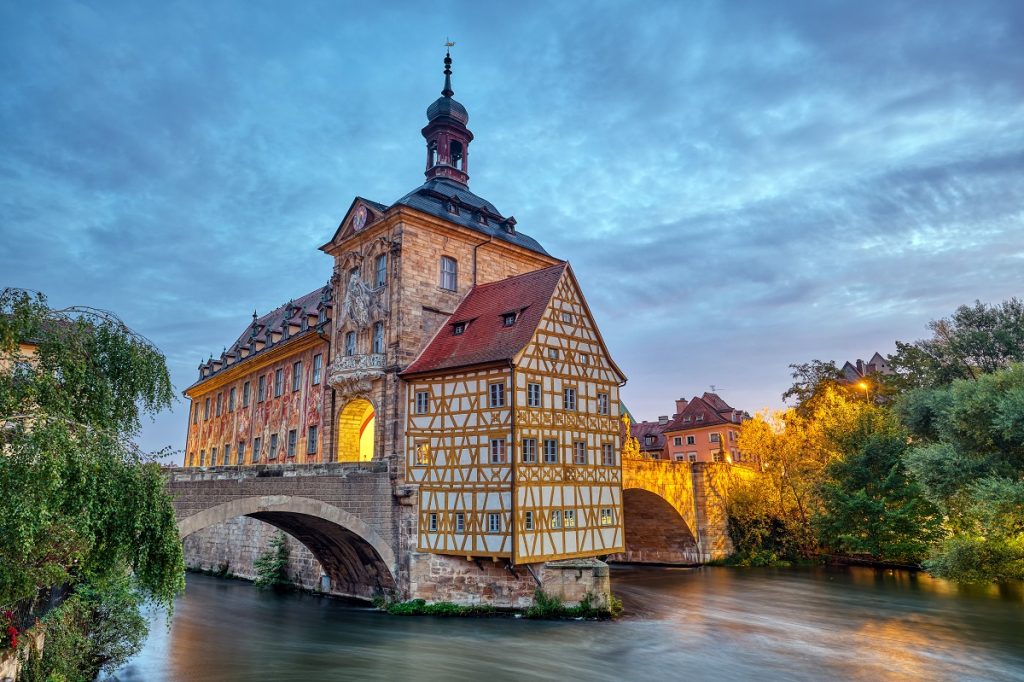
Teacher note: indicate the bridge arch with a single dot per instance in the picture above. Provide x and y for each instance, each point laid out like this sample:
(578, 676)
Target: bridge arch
(357, 559)
(656, 531)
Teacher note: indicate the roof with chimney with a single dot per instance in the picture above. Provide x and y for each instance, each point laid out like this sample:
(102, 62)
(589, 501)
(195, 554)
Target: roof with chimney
(706, 410)
(484, 337)
(650, 435)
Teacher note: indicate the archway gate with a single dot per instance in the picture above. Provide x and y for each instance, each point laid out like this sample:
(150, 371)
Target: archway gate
(695, 491)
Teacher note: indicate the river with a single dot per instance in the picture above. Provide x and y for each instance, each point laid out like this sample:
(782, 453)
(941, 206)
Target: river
(681, 624)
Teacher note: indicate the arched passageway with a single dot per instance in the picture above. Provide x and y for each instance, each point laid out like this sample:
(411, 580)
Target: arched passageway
(356, 429)
(357, 560)
(654, 531)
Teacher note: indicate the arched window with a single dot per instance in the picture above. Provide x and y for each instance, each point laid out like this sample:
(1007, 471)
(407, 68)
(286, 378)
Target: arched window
(455, 149)
(449, 273)
(432, 153)
(378, 337)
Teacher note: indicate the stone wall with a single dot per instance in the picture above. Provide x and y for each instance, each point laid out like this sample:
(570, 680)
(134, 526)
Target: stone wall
(236, 544)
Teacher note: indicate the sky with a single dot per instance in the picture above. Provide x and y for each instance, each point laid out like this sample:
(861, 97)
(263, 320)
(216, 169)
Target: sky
(738, 185)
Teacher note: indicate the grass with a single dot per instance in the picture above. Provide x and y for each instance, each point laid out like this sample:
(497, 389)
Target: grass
(549, 607)
(420, 607)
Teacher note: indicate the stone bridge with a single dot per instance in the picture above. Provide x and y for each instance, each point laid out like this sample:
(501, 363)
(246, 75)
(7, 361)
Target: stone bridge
(674, 512)
(352, 523)
(344, 514)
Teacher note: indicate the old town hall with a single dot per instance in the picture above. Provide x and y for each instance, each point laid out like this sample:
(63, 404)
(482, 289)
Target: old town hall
(451, 345)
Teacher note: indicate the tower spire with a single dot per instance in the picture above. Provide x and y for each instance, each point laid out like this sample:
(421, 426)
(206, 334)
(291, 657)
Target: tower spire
(448, 92)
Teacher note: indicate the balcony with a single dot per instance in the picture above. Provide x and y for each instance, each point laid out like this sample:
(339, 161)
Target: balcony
(353, 375)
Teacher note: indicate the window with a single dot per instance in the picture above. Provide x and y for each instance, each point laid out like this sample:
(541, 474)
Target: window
(732, 435)
(458, 328)
(311, 440)
(422, 453)
(700, 417)
(297, 375)
(460, 522)
(422, 402)
(569, 399)
(606, 516)
(497, 395)
(569, 516)
(648, 440)
(579, 452)
(680, 457)
(602, 403)
(278, 382)
(493, 523)
(556, 518)
(550, 451)
(528, 520)
(378, 337)
(202, 458)
(529, 451)
(245, 394)
(432, 523)
(192, 459)
(497, 451)
(691, 440)
(257, 449)
(350, 343)
(715, 437)
(293, 438)
(717, 456)
(584, 359)
(195, 415)
(318, 366)
(455, 153)
(508, 319)
(273, 446)
(382, 269)
(220, 401)
(567, 318)
(553, 353)
(678, 440)
(449, 273)
(692, 456)
(241, 452)
(261, 390)
(533, 395)
(213, 457)
(206, 409)
(607, 455)
(321, 316)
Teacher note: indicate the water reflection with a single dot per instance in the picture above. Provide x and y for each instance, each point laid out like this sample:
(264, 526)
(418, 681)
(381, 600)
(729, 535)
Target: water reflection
(851, 624)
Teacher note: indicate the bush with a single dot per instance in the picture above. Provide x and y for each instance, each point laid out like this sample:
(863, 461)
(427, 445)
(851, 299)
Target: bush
(420, 607)
(550, 607)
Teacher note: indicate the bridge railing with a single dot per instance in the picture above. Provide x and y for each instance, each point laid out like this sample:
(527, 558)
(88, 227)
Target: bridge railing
(284, 470)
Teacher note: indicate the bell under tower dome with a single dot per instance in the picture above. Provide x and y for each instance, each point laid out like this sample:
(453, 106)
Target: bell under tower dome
(446, 133)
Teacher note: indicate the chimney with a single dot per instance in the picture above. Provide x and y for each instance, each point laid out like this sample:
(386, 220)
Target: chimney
(860, 367)
(663, 419)
(681, 405)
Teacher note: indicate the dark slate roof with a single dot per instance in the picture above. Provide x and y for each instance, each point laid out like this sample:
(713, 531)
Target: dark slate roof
(446, 106)
(291, 312)
(438, 195)
(485, 338)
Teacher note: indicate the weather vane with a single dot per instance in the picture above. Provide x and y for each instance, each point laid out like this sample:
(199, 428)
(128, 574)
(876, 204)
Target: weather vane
(448, 43)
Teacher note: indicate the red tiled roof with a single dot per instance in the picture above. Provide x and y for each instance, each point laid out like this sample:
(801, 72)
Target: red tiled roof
(641, 430)
(688, 418)
(485, 338)
(716, 402)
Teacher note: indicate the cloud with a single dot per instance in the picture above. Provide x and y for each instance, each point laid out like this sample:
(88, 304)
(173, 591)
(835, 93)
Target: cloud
(738, 185)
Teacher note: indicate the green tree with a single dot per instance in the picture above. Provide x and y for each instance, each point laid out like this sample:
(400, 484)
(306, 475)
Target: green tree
(975, 340)
(80, 504)
(272, 566)
(809, 380)
(869, 502)
(968, 455)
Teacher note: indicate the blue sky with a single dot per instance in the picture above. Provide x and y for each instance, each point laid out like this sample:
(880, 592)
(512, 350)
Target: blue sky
(738, 185)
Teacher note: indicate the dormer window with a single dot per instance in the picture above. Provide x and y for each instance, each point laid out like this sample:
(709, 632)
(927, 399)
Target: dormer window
(508, 319)
(458, 328)
(700, 417)
(305, 323)
(322, 317)
(481, 218)
(452, 208)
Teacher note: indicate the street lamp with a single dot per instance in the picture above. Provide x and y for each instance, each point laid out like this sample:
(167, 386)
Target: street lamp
(863, 385)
